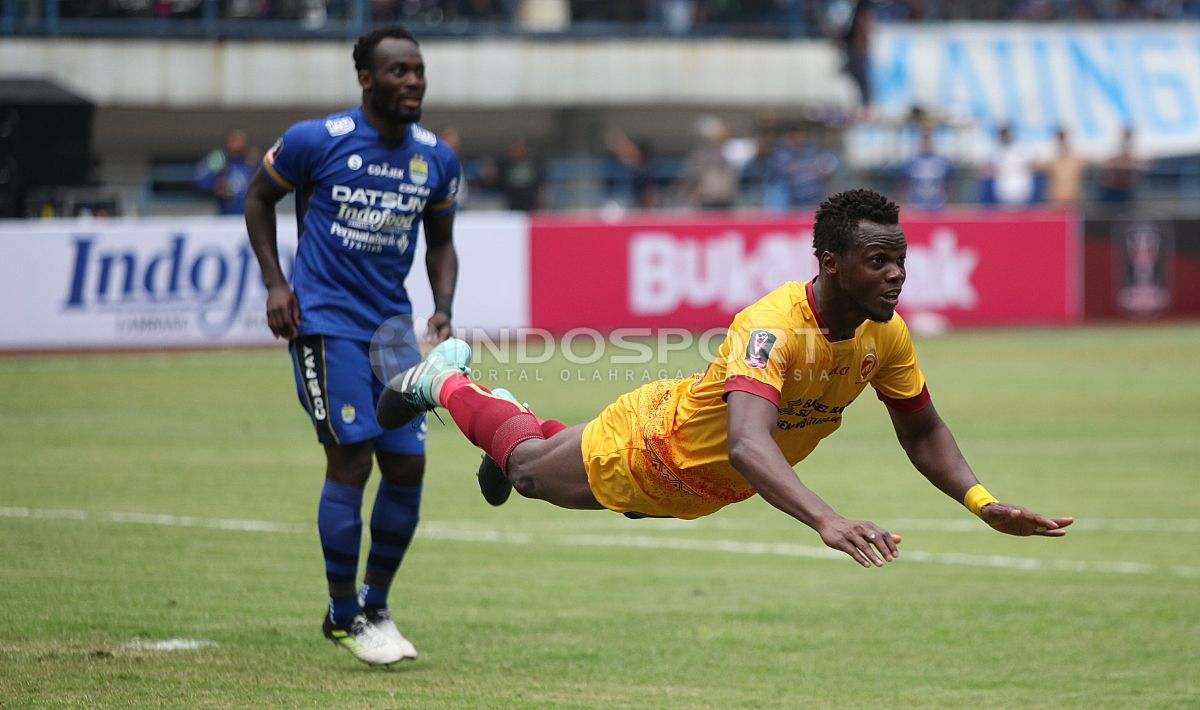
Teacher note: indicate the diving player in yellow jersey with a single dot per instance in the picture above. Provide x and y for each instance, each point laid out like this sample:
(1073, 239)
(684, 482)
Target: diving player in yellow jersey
(789, 367)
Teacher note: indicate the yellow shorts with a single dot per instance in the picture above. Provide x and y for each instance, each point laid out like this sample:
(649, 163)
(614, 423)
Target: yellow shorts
(623, 471)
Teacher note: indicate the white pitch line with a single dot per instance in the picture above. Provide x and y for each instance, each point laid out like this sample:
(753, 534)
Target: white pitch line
(176, 521)
(783, 549)
(456, 532)
(170, 645)
(970, 524)
(965, 523)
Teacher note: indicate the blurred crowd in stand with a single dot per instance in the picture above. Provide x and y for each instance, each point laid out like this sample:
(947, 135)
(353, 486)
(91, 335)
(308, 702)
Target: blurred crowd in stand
(766, 18)
(785, 163)
(782, 163)
(791, 164)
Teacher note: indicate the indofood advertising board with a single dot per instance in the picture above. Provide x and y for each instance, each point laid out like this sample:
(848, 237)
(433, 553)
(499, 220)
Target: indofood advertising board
(194, 282)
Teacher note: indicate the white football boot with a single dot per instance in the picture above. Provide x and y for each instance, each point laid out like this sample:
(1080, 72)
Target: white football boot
(367, 642)
(382, 620)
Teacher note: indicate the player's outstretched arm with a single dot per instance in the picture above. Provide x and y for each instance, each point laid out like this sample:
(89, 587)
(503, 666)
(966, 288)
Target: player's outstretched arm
(933, 451)
(283, 310)
(754, 453)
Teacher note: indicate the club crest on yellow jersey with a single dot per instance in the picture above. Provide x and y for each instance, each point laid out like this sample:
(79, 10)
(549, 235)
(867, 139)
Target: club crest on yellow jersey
(866, 367)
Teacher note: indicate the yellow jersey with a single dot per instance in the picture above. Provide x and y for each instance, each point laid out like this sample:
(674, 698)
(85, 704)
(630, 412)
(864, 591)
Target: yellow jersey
(779, 349)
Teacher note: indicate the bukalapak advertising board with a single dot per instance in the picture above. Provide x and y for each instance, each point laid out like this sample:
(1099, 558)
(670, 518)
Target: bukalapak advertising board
(965, 268)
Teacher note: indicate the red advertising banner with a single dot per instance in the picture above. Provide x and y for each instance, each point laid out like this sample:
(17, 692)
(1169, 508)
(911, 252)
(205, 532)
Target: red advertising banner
(696, 271)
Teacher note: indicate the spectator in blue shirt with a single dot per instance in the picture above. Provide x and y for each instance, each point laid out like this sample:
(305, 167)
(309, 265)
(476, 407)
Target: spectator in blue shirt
(926, 176)
(225, 174)
(795, 171)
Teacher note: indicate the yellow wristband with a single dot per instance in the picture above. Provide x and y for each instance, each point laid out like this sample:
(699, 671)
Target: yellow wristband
(977, 496)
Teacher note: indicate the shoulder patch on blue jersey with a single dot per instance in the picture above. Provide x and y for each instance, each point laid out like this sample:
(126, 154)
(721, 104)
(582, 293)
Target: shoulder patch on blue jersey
(339, 126)
(423, 135)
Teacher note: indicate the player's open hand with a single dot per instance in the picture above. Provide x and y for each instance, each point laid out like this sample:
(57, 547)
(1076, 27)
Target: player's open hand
(1015, 520)
(283, 312)
(863, 540)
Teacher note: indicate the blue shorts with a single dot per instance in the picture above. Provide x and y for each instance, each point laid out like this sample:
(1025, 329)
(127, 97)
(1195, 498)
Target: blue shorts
(338, 381)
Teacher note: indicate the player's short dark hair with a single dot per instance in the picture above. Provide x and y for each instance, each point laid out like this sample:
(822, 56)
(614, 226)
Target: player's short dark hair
(839, 215)
(364, 48)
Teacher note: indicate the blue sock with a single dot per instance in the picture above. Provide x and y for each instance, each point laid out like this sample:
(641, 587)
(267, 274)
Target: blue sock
(343, 610)
(393, 522)
(339, 520)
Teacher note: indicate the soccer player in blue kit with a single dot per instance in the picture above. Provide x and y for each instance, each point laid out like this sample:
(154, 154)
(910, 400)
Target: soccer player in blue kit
(364, 180)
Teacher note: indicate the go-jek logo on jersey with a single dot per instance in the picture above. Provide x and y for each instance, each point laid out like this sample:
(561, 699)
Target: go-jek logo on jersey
(385, 170)
(174, 287)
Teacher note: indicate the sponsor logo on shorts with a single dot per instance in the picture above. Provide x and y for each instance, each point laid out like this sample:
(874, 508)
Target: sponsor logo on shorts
(348, 413)
(758, 348)
(312, 382)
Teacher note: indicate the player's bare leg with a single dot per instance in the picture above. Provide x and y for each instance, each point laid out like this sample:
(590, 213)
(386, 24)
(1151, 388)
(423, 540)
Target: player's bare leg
(493, 484)
(552, 470)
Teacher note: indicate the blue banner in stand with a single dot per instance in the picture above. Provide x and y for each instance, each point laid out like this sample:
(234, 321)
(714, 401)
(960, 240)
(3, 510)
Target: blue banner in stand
(1092, 79)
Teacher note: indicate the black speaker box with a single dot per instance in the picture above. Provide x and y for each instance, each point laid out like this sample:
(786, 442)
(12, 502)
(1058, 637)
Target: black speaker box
(45, 138)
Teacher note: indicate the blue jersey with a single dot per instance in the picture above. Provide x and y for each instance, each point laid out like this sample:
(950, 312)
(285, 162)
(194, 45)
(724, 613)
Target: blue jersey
(235, 172)
(359, 203)
(798, 172)
(927, 179)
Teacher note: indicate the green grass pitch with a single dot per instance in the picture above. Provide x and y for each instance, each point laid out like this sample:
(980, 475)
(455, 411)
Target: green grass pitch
(148, 497)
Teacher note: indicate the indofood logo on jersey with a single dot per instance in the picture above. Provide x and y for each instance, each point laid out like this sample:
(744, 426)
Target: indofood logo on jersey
(378, 209)
(418, 170)
(174, 288)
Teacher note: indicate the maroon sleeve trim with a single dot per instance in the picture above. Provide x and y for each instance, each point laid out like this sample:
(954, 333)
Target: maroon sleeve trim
(741, 383)
(912, 404)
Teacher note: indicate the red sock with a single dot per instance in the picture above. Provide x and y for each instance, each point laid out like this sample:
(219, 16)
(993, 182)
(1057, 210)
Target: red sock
(493, 424)
(551, 427)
